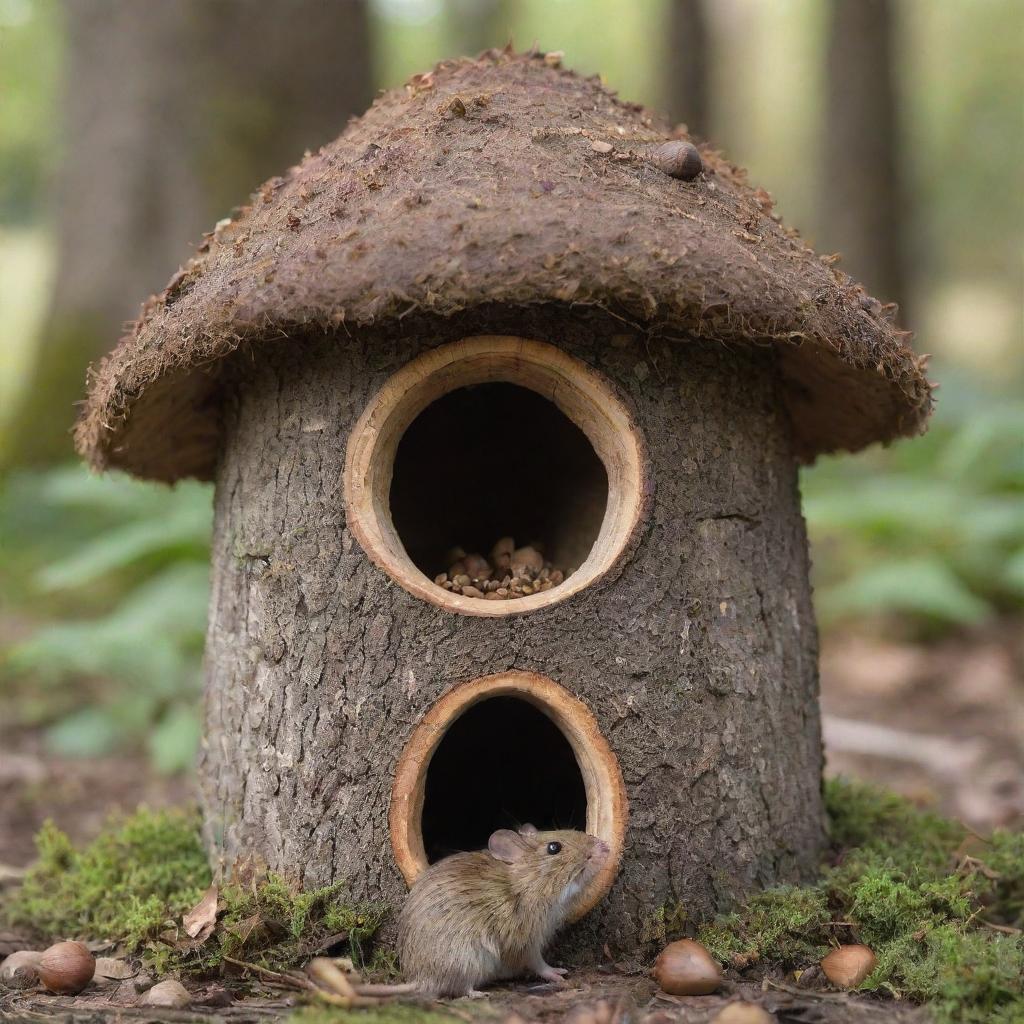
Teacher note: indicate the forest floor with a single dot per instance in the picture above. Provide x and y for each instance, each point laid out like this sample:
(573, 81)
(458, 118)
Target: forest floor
(942, 724)
(593, 997)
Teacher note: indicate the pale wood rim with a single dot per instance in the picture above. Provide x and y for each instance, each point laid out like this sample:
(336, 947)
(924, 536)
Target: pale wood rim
(607, 805)
(583, 394)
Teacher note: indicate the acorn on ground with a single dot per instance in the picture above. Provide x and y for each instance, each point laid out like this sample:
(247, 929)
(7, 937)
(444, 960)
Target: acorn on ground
(686, 968)
(66, 968)
(848, 966)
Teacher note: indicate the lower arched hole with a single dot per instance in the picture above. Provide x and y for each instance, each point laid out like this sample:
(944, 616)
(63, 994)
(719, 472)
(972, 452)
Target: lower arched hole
(496, 460)
(500, 764)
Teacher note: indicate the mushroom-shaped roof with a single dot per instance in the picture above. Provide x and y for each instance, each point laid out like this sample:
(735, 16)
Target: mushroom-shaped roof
(502, 180)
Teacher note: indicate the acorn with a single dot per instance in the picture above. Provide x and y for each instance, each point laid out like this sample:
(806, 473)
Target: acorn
(66, 968)
(686, 968)
(743, 1013)
(501, 553)
(528, 558)
(477, 567)
(848, 966)
(678, 159)
(20, 969)
(169, 995)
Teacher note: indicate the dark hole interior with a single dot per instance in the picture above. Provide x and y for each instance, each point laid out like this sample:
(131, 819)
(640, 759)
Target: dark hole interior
(501, 764)
(496, 460)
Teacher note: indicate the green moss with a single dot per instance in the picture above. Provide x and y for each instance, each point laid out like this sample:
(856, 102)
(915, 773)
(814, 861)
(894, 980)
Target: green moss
(134, 882)
(900, 880)
(276, 924)
(129, 884)
(386, 1013)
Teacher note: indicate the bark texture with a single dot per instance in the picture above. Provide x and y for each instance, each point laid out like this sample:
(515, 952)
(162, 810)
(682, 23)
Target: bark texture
(864, 202)
(697, 654)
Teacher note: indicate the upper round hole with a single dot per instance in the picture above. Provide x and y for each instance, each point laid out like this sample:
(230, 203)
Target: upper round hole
(490, 438)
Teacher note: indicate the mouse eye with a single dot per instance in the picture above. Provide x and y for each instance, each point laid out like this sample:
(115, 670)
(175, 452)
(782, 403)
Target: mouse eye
(554, 847)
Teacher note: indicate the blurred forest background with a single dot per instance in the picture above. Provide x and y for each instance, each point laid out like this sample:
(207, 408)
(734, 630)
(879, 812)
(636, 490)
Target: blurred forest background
(891, 131)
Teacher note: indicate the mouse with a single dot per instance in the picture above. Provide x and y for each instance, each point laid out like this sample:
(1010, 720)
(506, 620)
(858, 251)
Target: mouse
(474, 918)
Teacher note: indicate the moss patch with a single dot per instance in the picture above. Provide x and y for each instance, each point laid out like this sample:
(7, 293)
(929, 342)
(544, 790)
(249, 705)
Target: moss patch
(134, 882)
(920, 890)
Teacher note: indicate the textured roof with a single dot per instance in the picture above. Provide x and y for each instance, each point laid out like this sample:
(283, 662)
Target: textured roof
(481, 183)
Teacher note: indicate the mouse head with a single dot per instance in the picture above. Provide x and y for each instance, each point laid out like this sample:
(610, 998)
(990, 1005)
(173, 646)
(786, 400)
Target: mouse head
(552, 867)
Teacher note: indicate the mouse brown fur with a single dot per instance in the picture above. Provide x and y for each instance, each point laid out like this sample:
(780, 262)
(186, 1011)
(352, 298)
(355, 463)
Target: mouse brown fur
(474, 918)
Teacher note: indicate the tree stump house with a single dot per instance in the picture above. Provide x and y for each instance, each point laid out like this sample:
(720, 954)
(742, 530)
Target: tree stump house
(484, 342)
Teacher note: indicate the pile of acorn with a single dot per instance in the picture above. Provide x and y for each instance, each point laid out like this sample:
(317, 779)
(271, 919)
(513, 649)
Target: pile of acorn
(509, 573)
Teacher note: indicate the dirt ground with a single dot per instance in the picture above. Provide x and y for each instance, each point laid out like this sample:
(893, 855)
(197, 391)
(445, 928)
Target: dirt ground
(591, 998)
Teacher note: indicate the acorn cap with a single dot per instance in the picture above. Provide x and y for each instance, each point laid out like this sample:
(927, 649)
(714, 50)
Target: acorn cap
(426, 209)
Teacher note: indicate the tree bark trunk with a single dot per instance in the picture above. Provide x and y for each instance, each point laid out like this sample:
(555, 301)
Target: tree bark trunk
(173, 113)
(697, 654)
(864, 203)
(687, 65)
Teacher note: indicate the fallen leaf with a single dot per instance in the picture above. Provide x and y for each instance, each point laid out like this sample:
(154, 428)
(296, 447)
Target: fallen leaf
(199, 922)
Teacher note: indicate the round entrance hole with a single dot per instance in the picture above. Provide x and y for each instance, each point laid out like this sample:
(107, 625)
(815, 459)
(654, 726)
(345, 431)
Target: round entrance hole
(487, 438)
(500, 752)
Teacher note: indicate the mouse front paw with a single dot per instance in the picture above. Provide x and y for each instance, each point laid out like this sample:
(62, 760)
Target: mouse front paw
(555, 974)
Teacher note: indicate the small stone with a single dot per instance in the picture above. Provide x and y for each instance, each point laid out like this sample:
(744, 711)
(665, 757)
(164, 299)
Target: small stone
(461, 580)
(168, 995)
(502, 592)
(678, 159)
(471, 591)
(601, 147)
(441, 579)
(492, 596)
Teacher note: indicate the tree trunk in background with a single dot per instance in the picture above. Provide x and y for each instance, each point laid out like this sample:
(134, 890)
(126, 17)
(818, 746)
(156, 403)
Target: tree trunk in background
(475, 25)
(863, 209)
(686, 91)
(173, 113)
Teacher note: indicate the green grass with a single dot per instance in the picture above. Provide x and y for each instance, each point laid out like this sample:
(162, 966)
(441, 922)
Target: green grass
(909, 889)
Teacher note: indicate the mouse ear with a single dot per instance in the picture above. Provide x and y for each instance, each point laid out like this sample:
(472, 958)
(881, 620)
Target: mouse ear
(506, 845)
(528, 830)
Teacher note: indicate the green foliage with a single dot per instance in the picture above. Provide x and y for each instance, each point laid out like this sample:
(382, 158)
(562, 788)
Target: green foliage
(129, 884)
(933, 530)
(124, 577)
(900, 880)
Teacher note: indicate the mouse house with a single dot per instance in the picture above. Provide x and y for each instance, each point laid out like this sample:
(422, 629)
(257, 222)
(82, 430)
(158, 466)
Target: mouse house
(505, 421)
